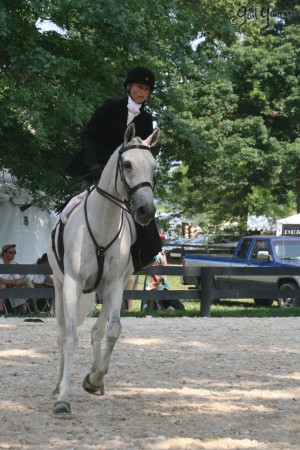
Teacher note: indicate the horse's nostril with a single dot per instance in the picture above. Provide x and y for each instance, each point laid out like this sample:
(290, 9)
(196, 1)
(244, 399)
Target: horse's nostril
(144, 214)
(141, 211)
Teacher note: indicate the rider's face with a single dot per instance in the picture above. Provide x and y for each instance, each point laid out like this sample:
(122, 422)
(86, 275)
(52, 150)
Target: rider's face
(139, 92)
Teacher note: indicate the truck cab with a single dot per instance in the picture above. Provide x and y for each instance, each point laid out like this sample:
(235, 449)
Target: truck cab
(255, 251)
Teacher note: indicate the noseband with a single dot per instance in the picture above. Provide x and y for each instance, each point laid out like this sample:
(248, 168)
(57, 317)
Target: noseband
(125, 204)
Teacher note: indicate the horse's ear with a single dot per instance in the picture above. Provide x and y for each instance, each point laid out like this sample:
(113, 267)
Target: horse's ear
(153, 138)
(129, 133)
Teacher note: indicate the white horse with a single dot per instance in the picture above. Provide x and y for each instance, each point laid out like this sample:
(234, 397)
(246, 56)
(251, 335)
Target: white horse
(97, 238)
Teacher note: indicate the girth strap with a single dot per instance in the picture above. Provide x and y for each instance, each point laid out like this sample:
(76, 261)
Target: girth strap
(59, 252)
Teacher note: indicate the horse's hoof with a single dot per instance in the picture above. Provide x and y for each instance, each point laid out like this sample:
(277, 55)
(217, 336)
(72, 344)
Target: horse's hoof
(62, 410)
(87, 386)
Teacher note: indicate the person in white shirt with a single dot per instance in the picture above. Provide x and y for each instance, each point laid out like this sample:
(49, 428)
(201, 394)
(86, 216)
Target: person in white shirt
(11, 280)
(42, 280)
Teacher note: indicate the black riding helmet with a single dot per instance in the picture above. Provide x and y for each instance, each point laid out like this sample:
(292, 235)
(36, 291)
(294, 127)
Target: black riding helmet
(140, 75)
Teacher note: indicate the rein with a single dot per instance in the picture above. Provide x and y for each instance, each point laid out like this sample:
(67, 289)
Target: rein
(114, 199)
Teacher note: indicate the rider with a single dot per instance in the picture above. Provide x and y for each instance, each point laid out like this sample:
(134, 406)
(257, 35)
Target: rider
(105, 132)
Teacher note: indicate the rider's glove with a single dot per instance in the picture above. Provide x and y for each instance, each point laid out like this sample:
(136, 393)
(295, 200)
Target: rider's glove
(96, 171)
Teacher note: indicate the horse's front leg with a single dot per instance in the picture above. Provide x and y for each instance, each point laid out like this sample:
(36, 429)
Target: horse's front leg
(68, 325)
(59, 314)
(110, 319)
(61, 361)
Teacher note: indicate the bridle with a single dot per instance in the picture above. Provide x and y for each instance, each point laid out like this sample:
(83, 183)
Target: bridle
(129, 190)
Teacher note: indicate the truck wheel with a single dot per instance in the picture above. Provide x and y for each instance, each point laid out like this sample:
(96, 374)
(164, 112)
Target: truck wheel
(263, 301)
(288, 302)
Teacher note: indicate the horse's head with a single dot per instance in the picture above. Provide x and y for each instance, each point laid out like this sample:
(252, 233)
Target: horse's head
(137, 169)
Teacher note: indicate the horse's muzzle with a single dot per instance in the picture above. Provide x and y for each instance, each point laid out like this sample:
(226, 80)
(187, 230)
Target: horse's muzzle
(144, 214)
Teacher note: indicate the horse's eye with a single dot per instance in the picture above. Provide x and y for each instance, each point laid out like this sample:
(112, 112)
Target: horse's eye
(127, 165)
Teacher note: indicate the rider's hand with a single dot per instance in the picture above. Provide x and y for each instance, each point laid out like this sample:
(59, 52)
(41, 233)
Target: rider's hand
(96, 171)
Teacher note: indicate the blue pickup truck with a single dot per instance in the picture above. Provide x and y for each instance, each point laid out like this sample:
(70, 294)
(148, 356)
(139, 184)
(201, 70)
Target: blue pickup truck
(254, 251)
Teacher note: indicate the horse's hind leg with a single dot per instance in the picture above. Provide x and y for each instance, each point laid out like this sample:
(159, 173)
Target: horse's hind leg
(93, 382)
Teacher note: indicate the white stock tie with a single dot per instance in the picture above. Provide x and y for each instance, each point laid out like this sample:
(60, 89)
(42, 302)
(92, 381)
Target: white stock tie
(133, 110)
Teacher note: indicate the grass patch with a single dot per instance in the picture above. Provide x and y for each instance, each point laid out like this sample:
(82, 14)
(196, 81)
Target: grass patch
(226, 308)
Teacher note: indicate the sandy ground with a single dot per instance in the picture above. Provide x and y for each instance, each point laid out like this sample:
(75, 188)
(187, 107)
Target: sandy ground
(184, 383)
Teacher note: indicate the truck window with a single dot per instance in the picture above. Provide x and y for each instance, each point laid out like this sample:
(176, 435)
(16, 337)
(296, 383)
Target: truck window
(258, 246)
(287, 249)
(243, 250)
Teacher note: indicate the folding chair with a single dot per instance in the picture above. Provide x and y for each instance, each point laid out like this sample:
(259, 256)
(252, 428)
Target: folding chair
(4, 306)
(46, 305)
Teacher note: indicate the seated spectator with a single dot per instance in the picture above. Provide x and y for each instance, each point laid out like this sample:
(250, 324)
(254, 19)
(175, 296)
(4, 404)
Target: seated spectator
(42, 280)
(155, 282)
(159, 282)
(11, 280)
(131, 285)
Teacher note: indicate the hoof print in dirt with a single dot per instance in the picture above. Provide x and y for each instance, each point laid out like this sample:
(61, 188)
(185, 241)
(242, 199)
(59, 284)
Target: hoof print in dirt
(34, 320)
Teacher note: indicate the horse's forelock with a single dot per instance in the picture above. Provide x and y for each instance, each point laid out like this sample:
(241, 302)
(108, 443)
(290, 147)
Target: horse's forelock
(136, 140)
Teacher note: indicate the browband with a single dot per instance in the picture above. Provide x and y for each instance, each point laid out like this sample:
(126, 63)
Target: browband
(130, 147)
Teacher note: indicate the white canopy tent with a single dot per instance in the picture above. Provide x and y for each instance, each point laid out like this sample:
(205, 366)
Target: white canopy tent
(258, 223)
(30, 229)
(289, 226)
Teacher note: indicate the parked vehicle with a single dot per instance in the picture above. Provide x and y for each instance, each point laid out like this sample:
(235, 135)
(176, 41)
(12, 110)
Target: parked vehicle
(224, 240)
(206, 243)
(173, 243)
(199, 240)
(173, 248)
(254, 251)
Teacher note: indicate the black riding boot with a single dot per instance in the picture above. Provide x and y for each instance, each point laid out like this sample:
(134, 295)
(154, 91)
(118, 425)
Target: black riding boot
(146, 247)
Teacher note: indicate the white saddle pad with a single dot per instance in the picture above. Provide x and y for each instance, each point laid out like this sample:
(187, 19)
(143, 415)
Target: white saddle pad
(78, 199)
(71, 205)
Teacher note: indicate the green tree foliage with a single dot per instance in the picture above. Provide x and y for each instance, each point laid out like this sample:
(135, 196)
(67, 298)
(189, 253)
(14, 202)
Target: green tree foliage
(227, 97)
(245, 108)
(51, 82)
